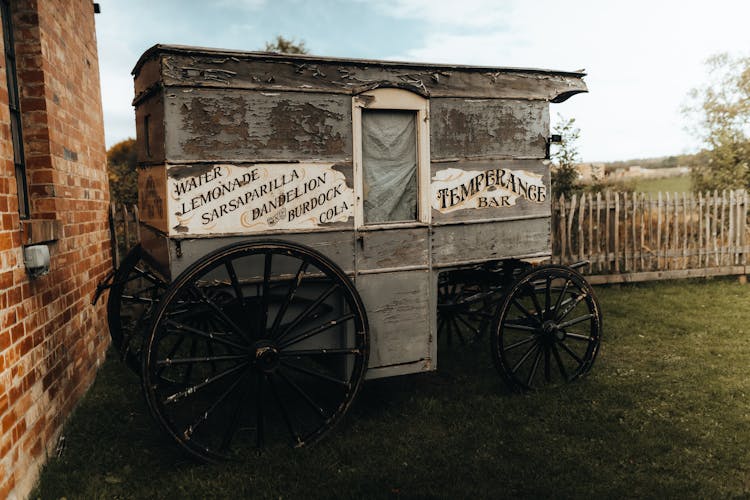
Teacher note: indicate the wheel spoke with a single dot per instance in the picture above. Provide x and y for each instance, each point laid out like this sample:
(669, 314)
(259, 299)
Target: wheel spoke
(235, 282)
(263, 319)
(579, 337)
(200, 359)
(304, 395)
(520, 343)
(293, 286)
(192, 390)
(211, 336)
(189, 370)
(301, 316)
(575, 321)
(219, 311)
(524, 357)
(475, 329)
(525, 311)
(284, 413)
(547, 296)
(318, 352)
(316, 374)
(457, 329)
(516, 326)
(259, 418)
(537, 305)
(572, 305)
(315, 331)
(532, 372)
(234, 420)
(571, 353)
(559, 302)
(204, 416)
(559, 361)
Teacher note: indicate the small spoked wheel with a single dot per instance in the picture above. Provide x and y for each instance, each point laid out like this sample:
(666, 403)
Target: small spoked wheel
(253, 345)
(132, 298)
(548, 328)
(465, 305)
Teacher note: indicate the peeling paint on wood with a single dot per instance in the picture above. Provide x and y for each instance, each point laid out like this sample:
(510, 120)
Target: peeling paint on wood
(463, 128)
(217, 68)
(225, 125)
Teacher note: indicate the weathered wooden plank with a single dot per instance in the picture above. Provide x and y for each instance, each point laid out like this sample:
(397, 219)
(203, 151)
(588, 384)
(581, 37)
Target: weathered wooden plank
(153, 201)
(581, 215)
(599, 257)
(156, 246)
(676, 229)
(149, 130)
(658, 231)
(392, 248)
(113, 225)
(563, 231)
(461, 128)
(569, 229)
(137, 221)
(591, 247)
(700, 229)
(125, 224)
(398, 312)
(224, 125)
(488, 241)
(518, 198)
(234, 69)
(666, 275)
(338, 246)
(616, 230)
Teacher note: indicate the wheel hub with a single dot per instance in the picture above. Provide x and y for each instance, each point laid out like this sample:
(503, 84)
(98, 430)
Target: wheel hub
(266, 357)
(552, 331)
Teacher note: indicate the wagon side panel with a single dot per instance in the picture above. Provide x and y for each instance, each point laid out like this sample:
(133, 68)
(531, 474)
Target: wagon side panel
(240, 125)
(486, 128)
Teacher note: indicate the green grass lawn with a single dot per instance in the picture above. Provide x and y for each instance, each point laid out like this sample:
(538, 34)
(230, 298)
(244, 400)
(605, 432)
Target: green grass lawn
(670, 184)
(665, 412)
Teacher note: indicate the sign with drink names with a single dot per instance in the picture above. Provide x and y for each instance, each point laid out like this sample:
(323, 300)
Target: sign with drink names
(224, 199)
(456, 189)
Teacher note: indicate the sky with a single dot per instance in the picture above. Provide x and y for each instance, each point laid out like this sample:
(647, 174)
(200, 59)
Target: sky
(642, 57)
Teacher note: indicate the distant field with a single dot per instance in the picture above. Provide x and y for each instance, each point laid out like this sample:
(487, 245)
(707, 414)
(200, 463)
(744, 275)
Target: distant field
(669, 184)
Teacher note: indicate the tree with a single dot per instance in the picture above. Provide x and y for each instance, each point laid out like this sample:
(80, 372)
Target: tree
(565, 157)
(719, 112)
(286, 46)
(122, 172)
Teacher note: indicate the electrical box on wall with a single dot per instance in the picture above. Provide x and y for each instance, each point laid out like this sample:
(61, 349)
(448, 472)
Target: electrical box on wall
(36, 260)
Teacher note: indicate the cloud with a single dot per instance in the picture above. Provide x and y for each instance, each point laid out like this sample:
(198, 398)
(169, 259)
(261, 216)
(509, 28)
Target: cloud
(448, 14)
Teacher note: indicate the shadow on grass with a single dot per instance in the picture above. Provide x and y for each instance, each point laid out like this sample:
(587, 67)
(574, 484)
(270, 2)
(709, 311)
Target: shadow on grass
(663, 413)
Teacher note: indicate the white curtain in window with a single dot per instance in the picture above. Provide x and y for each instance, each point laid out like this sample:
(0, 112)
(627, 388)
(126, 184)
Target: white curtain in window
(389, 160)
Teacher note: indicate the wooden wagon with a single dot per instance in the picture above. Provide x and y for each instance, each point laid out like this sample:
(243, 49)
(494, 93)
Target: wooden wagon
(309, 222)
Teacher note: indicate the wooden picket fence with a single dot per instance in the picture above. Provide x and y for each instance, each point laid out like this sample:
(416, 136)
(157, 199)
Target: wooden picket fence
(124, 230)
(642, 237)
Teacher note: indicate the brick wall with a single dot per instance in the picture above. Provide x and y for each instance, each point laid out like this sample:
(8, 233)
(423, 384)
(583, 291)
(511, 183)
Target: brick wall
(51, 338)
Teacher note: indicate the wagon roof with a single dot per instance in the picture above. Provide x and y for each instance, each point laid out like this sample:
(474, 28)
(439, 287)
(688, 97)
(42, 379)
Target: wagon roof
(185, 49)
(220, 68)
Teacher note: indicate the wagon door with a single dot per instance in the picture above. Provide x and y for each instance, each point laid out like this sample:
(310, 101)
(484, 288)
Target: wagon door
(393, 269)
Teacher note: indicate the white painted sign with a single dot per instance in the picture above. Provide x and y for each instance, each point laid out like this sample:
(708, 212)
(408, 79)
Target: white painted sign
(456, 189)
(224, 199)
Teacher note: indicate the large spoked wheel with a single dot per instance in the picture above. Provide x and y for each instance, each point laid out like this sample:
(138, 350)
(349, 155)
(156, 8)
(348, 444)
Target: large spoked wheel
(255, 344)
(132, 298)
(548, 328)
(465, 305)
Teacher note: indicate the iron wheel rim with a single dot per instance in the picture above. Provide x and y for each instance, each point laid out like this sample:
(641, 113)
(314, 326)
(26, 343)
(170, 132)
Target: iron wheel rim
(281, 358)
(548, 329)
